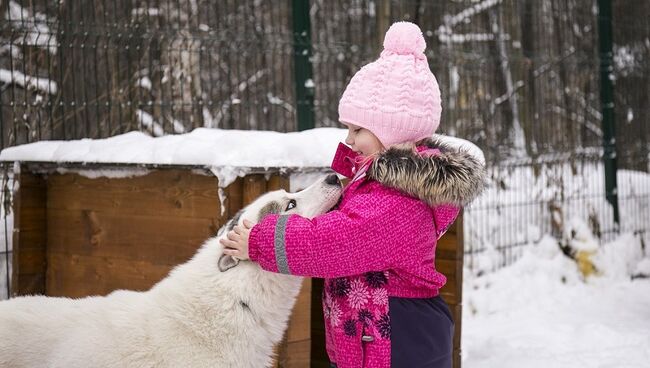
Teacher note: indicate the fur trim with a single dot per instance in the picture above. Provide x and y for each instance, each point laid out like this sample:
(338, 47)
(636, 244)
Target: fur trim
(454, 176)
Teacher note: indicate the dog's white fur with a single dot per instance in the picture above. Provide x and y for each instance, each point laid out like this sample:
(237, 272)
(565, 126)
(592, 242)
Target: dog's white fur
(198, 316)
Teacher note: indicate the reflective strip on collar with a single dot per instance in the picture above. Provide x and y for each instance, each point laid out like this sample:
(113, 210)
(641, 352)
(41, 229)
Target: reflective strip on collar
(280, 246)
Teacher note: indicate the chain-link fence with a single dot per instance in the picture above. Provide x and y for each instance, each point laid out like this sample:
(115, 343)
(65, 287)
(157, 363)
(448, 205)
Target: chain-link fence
(520, 78)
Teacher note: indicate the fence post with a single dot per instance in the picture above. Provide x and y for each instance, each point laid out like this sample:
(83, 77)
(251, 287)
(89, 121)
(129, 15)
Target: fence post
(607, 103)
(302, 64)
(6, 206)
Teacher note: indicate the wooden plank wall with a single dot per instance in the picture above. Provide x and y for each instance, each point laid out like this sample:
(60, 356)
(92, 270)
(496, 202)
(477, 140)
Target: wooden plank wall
(106, 233)
(319, 357)
(449, 261)
(29, 236)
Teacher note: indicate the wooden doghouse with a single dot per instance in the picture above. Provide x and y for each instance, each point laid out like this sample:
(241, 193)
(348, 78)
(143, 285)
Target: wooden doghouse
(76, 236)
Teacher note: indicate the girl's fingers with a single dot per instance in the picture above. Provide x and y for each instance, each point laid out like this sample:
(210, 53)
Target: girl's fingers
(248, 224)
(231, 252)
(232, 236)
(229, 243)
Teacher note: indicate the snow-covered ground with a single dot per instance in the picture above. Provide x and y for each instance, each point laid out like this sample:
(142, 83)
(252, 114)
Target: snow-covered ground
(539, 312)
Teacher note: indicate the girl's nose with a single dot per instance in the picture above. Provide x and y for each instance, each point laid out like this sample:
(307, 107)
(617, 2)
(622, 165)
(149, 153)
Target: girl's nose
(348, 139)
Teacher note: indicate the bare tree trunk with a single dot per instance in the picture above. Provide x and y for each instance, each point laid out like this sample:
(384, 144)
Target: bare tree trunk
(517, 138)
(530, 108)
(564, 100)
(176, 78)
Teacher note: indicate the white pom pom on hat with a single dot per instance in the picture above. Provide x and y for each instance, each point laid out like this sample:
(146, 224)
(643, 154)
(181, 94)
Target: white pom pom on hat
(404, 38)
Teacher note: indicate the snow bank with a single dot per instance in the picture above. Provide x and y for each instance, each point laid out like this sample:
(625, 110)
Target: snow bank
(539, 312)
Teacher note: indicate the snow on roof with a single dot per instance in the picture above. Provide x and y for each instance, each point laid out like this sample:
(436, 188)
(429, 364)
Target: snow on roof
(202, 146)
(229, 153)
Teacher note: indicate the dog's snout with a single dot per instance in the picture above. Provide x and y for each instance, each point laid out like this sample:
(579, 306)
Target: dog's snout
(332, 180)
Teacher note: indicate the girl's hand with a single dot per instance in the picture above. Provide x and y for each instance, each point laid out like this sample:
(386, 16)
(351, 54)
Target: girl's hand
(236, 241)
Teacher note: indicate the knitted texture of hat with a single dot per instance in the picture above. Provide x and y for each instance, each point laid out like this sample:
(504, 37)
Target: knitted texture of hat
(396, 97)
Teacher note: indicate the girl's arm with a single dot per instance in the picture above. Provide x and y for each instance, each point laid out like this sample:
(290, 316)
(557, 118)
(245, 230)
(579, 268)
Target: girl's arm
(373, 232)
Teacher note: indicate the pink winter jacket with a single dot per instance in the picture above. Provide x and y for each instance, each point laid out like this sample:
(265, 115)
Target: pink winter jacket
(378, 243)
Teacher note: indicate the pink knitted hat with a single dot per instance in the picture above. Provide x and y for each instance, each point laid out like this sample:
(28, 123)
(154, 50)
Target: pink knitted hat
(396, 97)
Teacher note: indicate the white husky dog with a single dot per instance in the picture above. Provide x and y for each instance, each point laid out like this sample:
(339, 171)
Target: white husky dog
(212, 311)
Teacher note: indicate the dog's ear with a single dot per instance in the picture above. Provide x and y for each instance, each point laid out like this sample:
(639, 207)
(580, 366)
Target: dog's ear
(227, 262)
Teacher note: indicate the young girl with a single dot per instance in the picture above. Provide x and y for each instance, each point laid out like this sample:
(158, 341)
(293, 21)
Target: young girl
(376, 250)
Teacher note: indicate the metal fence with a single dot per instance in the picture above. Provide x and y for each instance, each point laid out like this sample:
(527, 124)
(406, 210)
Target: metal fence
(520, 78)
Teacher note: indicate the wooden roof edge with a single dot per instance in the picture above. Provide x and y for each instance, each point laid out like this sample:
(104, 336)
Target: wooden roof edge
(49, 166)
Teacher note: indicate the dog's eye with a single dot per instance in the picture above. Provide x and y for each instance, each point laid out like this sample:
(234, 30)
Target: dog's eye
(291, 205)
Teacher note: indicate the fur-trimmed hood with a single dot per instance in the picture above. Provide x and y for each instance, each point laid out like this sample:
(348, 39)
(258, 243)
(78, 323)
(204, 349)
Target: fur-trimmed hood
(435, 171)
(442, 174)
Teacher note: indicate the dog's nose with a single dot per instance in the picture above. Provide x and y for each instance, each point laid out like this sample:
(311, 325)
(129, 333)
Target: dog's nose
(332, 180)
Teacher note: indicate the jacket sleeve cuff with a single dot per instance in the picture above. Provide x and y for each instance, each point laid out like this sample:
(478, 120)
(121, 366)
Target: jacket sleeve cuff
(261, 243)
